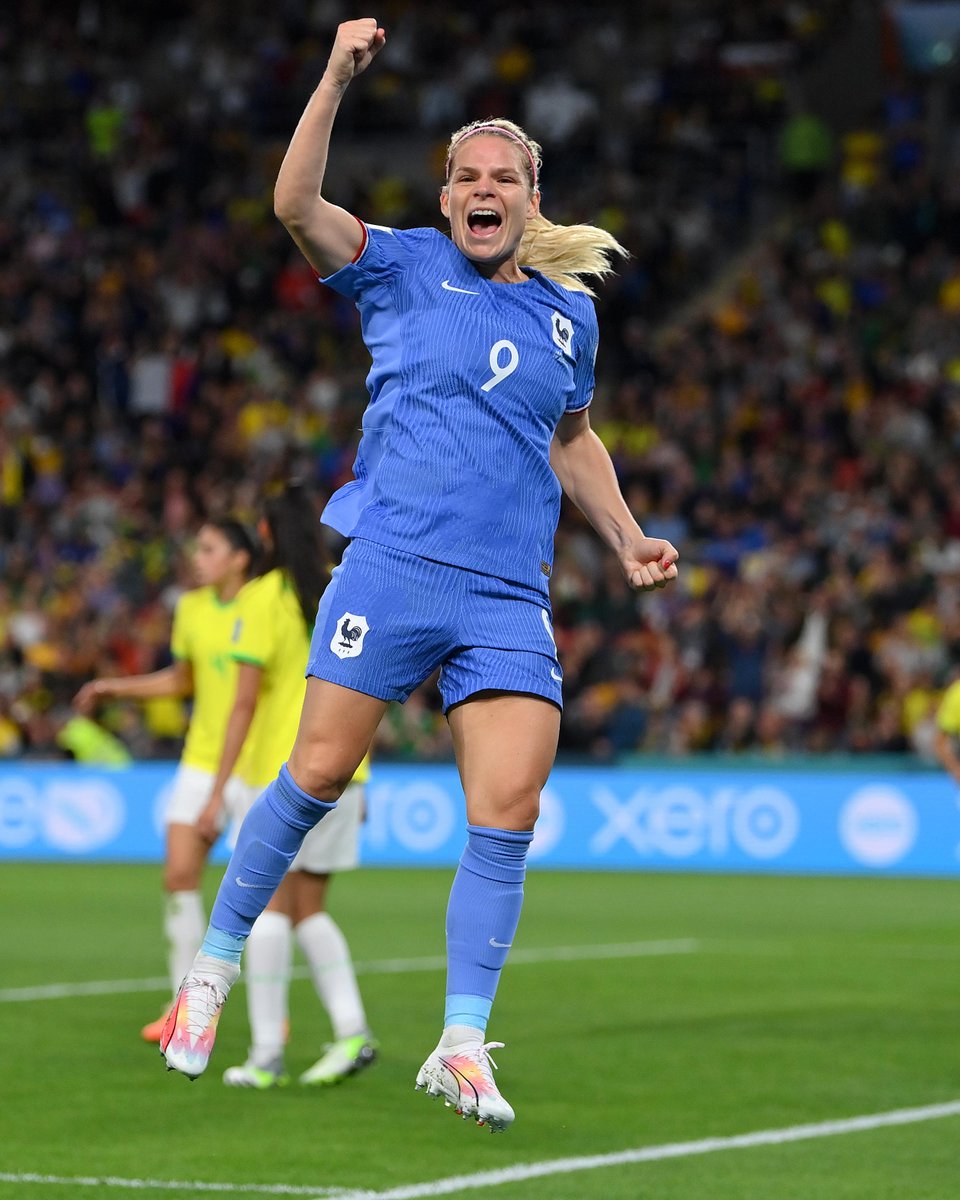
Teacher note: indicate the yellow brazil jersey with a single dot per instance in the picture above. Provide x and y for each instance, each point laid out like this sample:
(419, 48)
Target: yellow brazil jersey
(272, 635)
(203, 630)
(948, 714)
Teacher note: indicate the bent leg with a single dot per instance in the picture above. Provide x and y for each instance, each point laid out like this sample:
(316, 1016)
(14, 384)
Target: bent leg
(336, 728)
(505, 746)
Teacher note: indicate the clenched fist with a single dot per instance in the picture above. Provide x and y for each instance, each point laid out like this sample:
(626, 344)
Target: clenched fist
(354, 48)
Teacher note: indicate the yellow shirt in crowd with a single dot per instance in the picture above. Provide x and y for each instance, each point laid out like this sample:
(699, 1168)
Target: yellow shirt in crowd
(948, 714)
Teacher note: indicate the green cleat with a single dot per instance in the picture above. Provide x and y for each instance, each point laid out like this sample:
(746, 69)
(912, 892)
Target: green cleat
(252, 1076)
(340, 1059)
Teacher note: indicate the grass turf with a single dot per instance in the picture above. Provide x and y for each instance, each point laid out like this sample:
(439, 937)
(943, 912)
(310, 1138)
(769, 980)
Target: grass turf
(805, 1000)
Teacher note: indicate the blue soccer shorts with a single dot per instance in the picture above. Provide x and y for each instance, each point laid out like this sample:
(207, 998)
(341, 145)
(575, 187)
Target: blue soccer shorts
(388, 619)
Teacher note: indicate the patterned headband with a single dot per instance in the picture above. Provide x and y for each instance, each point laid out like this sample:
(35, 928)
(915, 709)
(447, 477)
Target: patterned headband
(503, 133)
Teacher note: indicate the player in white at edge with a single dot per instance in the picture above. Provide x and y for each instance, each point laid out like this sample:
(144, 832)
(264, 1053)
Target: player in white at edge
(483, 348)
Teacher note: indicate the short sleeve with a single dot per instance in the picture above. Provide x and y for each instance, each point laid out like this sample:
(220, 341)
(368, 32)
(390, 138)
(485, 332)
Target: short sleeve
(254, 632)
(384, 255)
(583, 371)
(179, 636)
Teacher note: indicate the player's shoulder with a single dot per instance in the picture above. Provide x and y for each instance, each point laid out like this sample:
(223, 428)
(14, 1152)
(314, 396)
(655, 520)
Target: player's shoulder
(576, 305)
(951, 696)
(195, 601)
(416, 241)
(261, 589)
(579, 303)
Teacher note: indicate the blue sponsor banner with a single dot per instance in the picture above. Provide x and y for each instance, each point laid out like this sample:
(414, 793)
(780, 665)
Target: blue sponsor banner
(686, 817)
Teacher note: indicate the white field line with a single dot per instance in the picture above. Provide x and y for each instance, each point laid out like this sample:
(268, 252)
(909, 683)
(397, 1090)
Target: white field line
(189, 1187)
(523, 1171)
(382, 966)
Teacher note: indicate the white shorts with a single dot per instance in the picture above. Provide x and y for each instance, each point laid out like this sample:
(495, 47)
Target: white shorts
(332, 845)
(190, 793)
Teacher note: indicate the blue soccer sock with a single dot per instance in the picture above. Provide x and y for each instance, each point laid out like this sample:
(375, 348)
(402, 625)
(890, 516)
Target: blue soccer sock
(482, 916)
(269, 838)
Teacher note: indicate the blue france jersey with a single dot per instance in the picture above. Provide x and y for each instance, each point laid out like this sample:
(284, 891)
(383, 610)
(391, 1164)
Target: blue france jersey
(468, 382)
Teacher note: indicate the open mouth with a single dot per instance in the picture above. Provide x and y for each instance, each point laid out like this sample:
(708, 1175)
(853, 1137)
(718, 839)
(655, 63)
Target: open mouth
(483, 222)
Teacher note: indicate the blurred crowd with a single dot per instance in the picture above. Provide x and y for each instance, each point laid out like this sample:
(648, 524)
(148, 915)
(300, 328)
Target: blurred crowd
(164, 350)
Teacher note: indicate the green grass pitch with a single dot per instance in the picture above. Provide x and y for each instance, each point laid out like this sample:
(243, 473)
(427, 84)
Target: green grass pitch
(782, 1002)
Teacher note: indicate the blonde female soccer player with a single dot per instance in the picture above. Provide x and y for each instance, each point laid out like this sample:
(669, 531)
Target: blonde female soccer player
(270, 647)
(203, 627)
(483, 347)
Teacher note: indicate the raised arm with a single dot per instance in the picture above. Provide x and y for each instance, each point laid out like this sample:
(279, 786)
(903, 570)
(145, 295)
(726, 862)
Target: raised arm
(586, 474)
(328, 235)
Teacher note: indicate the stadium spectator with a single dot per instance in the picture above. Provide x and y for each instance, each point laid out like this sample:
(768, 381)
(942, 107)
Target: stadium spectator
(160, 348)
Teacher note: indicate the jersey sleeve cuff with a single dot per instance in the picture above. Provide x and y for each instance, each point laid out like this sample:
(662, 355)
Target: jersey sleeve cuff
(364, 239)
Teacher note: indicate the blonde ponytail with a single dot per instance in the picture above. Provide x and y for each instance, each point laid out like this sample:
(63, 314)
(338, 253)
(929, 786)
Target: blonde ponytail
(563, 253)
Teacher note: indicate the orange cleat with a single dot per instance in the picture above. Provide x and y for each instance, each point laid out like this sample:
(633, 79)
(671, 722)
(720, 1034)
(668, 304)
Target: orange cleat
(152, 1031)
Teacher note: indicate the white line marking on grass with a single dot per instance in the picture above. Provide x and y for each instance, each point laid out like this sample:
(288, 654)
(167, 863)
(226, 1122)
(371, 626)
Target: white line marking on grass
(178, 1185)
(383, 966)
(557, 1166)
(96, 987)
(743, 1141)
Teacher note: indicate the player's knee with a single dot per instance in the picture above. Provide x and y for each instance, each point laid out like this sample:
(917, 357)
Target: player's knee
(178, 877)
(523, 812)
(317, 775)
(516, 808)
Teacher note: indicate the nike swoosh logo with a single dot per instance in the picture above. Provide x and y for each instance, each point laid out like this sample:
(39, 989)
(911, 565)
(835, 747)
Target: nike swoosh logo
(500, 945)
(556, 675)
(258, 886)
(448, 287)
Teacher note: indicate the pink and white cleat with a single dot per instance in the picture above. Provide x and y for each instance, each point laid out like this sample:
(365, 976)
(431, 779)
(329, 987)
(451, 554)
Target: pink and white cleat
(463, 1076)
(191, 1026)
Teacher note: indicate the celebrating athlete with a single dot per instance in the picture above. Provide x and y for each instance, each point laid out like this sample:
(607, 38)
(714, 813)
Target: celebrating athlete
(483, 347)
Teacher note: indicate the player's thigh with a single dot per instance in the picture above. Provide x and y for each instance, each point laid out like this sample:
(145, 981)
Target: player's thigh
(188, 796)
(505, 745)
(386, 621)
(337, 725)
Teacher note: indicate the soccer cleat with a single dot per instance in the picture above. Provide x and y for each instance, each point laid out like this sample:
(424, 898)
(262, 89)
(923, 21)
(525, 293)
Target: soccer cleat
(251, 1076)
(463, 1077)
(153, 1031)
(341, 1059)
(191, 1026)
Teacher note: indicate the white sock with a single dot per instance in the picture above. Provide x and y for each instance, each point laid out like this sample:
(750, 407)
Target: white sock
(269, 952)
(455, 1036)
(328, 956)
(218, 970)
(184, 923)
